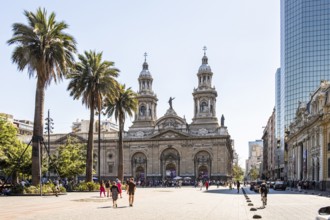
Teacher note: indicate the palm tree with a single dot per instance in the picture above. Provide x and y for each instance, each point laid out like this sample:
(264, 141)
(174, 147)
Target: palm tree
(47, 52)
(124, 102)
(92, 79)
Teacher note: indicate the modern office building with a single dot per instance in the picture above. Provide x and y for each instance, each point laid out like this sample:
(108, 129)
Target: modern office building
(305, 53)
(255, 158)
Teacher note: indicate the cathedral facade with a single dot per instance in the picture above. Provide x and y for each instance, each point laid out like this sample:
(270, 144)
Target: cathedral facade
(166, 147)
(163, 148)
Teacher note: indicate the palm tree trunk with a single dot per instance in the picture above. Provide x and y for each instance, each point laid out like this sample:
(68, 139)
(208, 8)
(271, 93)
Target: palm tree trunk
(120, 150)
(90, 147)
(37, 131)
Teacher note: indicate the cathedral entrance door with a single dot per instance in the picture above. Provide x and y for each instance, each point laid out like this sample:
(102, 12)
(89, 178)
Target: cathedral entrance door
(139, 174)
(203, 172)
(170, 170)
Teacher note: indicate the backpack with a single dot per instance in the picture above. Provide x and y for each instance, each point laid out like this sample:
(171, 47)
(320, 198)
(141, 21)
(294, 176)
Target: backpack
(263, 189)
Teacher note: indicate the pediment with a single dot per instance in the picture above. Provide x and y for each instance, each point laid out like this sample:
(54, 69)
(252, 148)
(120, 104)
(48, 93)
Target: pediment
(64, 138)
(170, 134)
(171, 122)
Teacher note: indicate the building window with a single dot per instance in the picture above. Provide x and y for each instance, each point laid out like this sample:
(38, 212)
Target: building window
(110, 156)
(328, 146)
(110, 168)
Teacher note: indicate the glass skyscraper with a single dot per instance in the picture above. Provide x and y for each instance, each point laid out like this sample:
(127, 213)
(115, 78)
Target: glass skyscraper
(305, 54)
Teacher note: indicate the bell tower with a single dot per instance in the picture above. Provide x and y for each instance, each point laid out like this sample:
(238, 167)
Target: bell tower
(147, 100)
(204, 98)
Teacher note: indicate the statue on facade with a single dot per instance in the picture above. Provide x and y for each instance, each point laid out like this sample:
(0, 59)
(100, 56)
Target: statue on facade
(170, 102)
(222, 121)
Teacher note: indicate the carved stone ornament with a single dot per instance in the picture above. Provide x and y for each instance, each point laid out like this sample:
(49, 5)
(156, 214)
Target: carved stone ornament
(140, 134)
(202, 131)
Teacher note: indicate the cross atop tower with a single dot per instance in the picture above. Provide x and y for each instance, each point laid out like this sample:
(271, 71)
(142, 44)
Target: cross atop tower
(204, 48)
(145, 56)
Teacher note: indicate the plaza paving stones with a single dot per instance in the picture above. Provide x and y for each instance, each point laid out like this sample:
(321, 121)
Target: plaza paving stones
(164, 203)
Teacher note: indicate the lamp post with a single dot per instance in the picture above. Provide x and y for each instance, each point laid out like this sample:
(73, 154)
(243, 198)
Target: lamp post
(278, 157)
(99, 104)
(99, 147)
(49, 129)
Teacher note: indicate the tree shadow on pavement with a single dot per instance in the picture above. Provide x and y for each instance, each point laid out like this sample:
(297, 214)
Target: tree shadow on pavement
(107, 207)
(222, 191)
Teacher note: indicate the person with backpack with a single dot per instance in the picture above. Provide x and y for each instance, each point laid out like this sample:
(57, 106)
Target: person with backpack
(238, 184)
(263, 191)
(107, 187)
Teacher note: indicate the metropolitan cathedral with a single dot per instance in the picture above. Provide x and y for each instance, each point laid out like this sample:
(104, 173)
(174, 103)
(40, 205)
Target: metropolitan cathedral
(163, 148)
(166, 147)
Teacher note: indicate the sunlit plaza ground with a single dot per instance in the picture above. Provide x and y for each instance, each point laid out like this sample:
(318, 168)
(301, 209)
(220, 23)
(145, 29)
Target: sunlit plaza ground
(165, 203)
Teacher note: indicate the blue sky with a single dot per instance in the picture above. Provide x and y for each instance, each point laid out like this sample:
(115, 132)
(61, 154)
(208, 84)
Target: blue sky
(242, 37)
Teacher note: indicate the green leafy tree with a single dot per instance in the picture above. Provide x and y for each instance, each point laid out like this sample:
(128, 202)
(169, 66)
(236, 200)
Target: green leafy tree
(254, 173)
(92, 79)
(47, 52)
(124, 103)
(69, 159)
(15, 156)
(238, 173)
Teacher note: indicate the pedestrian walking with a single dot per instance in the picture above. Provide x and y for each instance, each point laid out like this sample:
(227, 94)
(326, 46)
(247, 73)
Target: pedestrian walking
(238, 184)
(57, 187)
(218, 183)
(299, 186)
(263, 191)
(107, 187)
(200, 184)
(131, 187)
(207, 185)
(119, 188)
(114, 193)
(102, 188)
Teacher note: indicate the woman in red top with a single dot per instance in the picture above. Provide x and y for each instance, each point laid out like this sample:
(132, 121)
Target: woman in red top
(102, 188)
(207, 184)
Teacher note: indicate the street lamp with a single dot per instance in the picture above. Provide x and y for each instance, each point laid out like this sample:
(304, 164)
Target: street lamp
(99, 104)
(99, 148)
(49, 129)
(278, 157)
(99, 142)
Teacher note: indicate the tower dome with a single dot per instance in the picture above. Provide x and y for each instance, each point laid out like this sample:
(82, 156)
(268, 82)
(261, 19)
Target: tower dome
(145, 68)
(205, 67)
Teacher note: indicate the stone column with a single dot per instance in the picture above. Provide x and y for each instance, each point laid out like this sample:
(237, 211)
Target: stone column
(198, 107)
(322, 159)
(214, 107)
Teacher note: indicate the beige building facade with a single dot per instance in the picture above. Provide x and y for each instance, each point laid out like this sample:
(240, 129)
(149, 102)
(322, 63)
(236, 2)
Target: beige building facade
(308, 140)
(167, 147)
